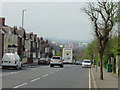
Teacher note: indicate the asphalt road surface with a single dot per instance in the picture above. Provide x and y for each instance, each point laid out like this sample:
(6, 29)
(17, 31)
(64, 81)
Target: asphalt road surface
(43, 76)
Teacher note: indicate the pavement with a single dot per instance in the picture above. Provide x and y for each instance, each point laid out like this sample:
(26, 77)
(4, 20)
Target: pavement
(110, 79)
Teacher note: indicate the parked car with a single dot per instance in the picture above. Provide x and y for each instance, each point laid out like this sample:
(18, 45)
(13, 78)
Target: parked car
(86, 63)
(11, 60)
(73, 62)
(43, 61)
(48, 59)
(78, 62)
(56, 60)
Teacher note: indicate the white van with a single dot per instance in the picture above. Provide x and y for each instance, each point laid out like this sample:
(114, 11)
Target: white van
(11, 60)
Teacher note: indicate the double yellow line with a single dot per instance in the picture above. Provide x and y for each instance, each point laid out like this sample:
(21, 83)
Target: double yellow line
(89, 79)
(92, 79)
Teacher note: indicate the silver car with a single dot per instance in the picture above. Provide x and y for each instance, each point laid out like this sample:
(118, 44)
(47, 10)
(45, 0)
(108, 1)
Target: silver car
(56, 61)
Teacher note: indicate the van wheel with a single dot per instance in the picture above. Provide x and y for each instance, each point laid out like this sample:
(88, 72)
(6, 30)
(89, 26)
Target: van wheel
(3, 67)
(17, 67)
(20, 67)
(61, 66)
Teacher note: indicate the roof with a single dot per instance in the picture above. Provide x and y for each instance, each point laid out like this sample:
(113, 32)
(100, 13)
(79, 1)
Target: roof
(87, 60)
(8, 29)
(2, 31)
(21, 33)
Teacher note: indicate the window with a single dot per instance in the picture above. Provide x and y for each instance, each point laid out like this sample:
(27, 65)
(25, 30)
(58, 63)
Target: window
(56, 58)
(87, 61)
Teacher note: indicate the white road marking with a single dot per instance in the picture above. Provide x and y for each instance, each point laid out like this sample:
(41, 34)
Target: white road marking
(15, 72)
(45, 75)
(89, 80)
(6, 74)
(34, 80)
(20, 85)
(10, 73)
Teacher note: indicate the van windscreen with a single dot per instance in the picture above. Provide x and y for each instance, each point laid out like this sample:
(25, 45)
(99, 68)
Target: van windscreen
(10, 57)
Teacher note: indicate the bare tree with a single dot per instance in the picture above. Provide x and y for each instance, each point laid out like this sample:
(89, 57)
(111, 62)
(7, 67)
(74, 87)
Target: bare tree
(102, 15)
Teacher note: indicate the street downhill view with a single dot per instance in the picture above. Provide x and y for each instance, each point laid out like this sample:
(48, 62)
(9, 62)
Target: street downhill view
(60, 44)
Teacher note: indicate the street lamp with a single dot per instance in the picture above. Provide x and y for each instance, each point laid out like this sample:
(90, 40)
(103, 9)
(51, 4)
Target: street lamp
(23, 17)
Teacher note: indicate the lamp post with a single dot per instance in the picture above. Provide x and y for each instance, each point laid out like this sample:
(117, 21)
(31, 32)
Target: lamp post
(23, 17)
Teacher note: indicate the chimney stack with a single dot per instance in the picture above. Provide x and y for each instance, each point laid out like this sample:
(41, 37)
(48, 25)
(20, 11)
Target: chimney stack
(31, 33)
(2, 21)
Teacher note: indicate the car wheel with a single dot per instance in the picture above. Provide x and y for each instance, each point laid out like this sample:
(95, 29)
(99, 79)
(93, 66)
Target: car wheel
(20, 68)
(61, 66)
(51, 65)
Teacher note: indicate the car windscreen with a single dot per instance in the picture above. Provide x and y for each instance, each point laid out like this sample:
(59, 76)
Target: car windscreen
(87, 61)
(42, 59)
(47, 58)
(56, 58)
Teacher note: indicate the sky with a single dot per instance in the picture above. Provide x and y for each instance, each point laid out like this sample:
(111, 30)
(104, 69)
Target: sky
(51, 20)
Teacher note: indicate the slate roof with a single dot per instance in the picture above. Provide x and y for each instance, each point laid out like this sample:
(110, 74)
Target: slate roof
(21, 33)
(8, 29)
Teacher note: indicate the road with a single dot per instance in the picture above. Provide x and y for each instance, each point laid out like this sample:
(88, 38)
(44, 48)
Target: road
(71, 76)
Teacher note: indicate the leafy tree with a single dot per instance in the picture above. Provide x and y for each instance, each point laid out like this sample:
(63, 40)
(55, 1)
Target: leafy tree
(58, 53)
(102, 15)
